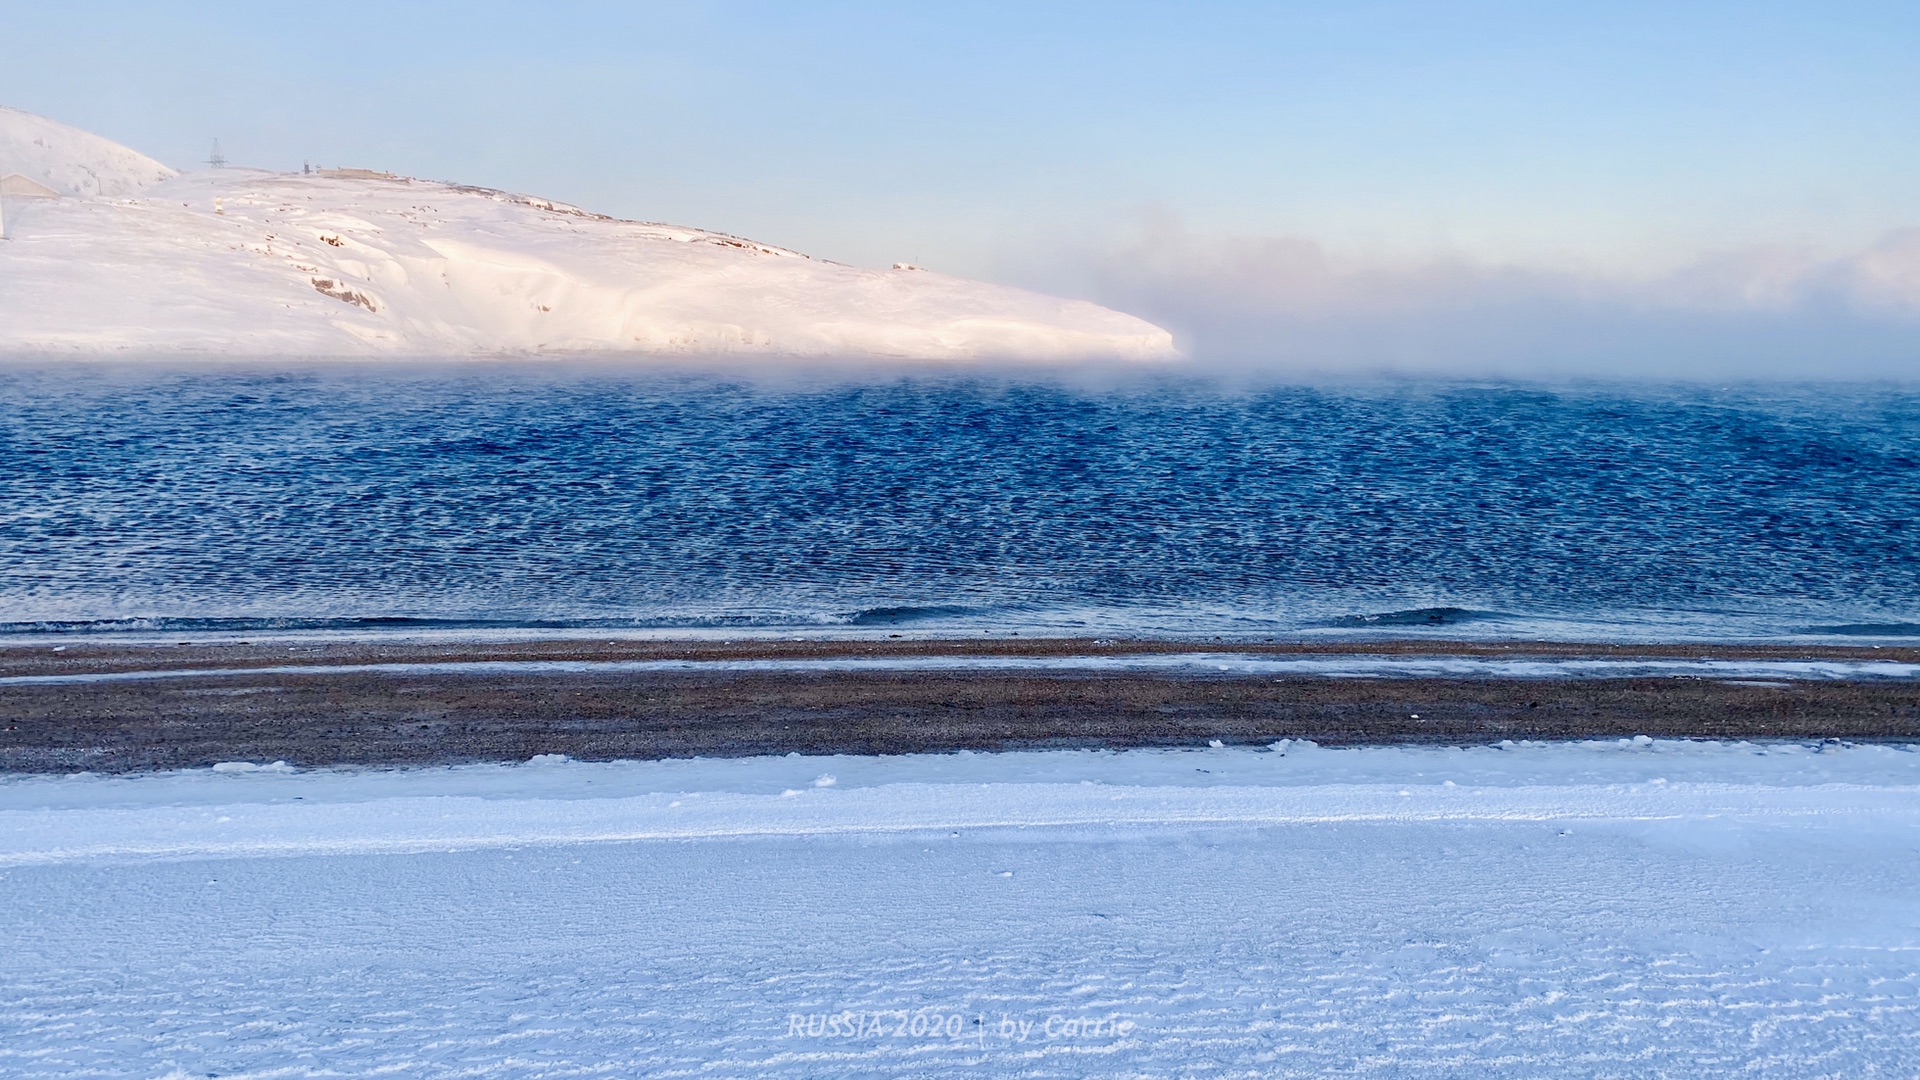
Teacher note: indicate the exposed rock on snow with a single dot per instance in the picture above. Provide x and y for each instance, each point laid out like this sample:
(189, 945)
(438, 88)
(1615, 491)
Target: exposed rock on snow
(355, 262)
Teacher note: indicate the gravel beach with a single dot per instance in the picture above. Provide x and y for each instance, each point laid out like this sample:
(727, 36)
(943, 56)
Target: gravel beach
(196, 704)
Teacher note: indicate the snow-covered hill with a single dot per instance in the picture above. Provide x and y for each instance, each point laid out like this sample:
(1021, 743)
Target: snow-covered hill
(347, 262)
(71, 161)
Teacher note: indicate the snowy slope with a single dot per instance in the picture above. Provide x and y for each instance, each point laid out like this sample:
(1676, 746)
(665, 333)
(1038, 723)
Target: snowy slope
(1646, 909)
(239, 261)
(71, 161)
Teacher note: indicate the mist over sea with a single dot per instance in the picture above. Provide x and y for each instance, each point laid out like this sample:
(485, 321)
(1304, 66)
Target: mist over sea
(373, 498)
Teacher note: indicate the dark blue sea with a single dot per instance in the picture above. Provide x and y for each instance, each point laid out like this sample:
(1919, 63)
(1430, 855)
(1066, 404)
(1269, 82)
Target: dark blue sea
(370, 499)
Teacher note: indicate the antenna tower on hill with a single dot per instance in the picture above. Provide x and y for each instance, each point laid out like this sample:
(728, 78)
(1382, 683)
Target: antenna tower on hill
(217, 159)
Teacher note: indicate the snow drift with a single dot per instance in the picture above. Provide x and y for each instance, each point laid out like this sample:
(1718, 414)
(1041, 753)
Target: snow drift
(353, 262)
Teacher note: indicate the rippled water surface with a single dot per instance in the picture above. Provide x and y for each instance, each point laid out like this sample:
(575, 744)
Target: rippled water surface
(502, 495)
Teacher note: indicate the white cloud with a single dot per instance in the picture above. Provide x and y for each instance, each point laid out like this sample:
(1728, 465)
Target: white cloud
(1290, 302)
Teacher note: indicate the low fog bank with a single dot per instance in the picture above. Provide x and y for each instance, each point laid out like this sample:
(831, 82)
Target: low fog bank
(1287, 304)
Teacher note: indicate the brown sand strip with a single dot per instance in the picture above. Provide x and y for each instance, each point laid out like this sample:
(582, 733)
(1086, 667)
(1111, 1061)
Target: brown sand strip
(423, 719)
(78, 656)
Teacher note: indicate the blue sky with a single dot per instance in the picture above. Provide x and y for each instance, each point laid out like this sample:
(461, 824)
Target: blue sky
(1030, 142)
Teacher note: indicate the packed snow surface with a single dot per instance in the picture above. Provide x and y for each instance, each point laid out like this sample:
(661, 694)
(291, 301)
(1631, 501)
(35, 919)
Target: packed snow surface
(1637, 907)
(350, 262)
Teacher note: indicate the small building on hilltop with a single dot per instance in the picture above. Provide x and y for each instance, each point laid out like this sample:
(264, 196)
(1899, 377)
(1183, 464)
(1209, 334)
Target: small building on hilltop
(15, 186)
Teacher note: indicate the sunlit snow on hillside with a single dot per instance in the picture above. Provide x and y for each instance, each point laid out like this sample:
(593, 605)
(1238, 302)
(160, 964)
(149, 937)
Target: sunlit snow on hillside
(349, 262)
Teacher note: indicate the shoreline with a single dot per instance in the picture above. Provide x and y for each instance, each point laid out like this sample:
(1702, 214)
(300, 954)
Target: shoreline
(78, 655)
(388, 704)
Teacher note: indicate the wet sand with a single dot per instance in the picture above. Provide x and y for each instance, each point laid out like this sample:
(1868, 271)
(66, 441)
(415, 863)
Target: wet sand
(416, 718)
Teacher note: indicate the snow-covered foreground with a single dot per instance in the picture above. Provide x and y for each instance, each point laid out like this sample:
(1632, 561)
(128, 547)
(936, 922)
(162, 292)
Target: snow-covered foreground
(354, 263)
(1637, 908)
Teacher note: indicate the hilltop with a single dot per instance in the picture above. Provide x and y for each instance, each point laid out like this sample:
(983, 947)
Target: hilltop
(349, 262)
(72, 162)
